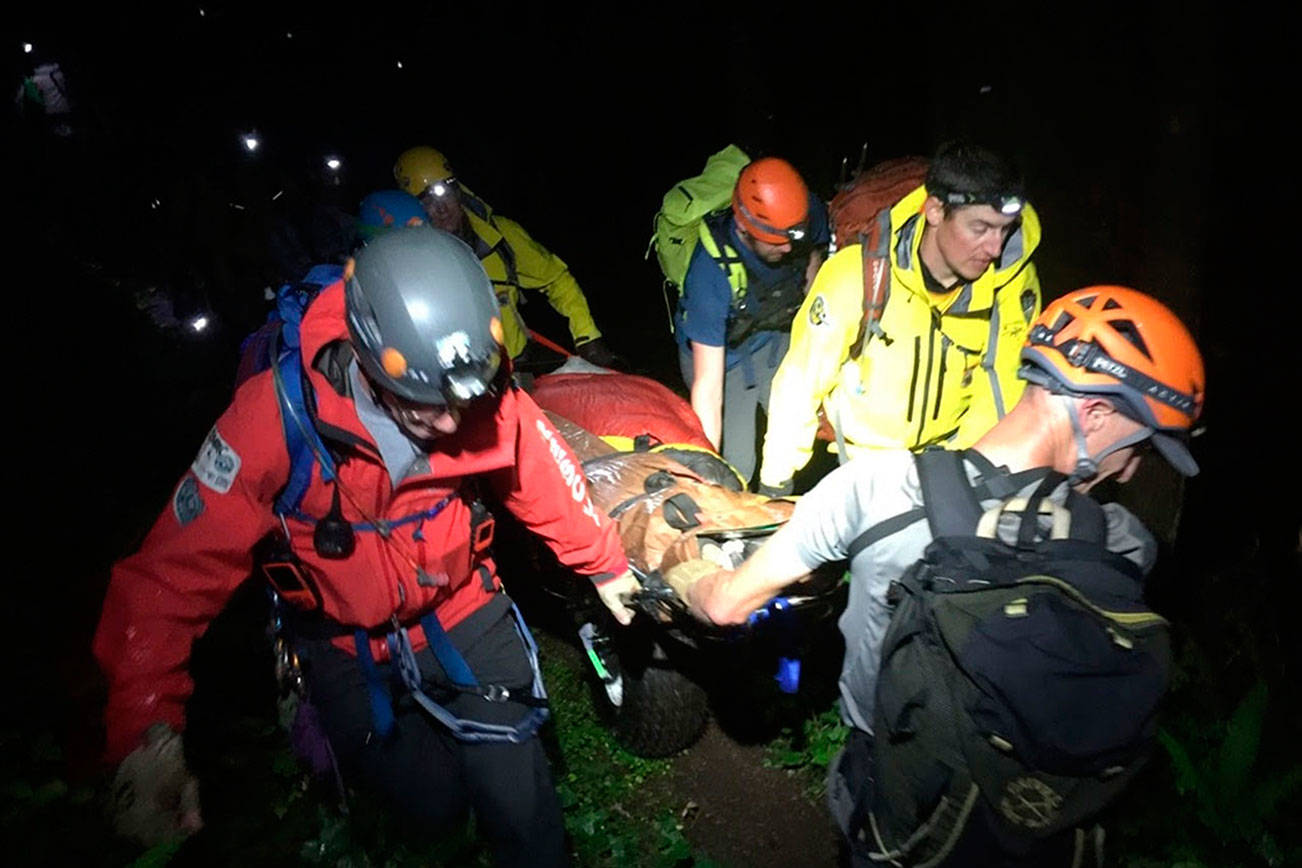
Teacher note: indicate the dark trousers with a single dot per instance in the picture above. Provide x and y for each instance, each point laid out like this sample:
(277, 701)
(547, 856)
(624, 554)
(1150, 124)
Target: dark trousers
(425, 773)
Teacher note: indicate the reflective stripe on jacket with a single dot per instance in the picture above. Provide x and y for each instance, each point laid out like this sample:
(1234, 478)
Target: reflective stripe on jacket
(161, 598)
(514, 262)
(945, 371)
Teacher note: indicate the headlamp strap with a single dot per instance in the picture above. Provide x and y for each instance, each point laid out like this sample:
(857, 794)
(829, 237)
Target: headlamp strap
(793, 233)
(1089, 356)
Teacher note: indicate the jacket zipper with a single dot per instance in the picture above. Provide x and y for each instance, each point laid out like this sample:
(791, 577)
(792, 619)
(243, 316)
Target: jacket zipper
(913, 381)
(926, 386)
(940, 379)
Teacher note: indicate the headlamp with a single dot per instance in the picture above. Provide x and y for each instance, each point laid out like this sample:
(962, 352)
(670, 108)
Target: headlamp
(1008, 204)
(440, 189)
(792, 233)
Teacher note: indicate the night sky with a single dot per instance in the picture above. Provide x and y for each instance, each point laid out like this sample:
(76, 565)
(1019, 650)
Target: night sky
(1139, 131)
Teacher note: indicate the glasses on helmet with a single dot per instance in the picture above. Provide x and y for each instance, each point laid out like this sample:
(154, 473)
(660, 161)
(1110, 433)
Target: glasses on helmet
(1007, 204)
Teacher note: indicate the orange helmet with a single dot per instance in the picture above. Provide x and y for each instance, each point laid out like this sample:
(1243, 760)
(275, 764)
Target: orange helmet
(1120, 343)
(771, 201)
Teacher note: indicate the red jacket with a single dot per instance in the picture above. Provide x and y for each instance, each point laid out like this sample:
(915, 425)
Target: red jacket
(162, 598)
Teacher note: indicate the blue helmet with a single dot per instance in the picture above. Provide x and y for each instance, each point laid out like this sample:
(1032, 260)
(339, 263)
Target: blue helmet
(387, 209)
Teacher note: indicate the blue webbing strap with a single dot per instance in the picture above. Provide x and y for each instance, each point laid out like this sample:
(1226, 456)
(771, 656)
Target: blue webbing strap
(462, 729)
(301, 438)
(381, 700)
(448, 656)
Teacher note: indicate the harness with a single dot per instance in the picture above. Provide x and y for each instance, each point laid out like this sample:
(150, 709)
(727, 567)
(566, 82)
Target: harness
(306, 449)
(753, 307)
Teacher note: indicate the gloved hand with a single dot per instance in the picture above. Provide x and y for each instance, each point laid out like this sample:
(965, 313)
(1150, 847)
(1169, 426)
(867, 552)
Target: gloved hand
(595, 351)
(155, 798)
(782, 489)
(612, 592)
(682, 576)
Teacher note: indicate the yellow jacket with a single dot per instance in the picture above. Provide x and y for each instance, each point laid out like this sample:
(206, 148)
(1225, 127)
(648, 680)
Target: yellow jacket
(514, 262)
(945, 372)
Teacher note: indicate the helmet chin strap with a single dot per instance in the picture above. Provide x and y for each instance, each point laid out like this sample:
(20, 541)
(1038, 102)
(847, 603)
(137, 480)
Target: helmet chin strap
(1087, 466)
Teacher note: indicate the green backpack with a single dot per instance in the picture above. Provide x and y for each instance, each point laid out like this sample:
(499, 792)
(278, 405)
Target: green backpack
(685, 207)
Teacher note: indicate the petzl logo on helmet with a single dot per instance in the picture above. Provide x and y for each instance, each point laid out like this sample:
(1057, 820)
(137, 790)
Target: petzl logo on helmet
(1103, 363)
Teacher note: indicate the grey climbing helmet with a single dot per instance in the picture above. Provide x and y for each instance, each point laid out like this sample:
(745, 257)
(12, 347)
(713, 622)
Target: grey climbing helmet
(423, 317)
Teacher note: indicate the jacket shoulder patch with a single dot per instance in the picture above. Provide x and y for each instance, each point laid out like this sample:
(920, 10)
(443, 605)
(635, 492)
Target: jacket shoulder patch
(187, 503)
(217, 464)
(818, 311)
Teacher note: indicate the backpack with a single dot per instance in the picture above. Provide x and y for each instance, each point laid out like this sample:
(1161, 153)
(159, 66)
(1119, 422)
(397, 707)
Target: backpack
(1018, 683)
(258, 351)
(861, 214)
(685, 207)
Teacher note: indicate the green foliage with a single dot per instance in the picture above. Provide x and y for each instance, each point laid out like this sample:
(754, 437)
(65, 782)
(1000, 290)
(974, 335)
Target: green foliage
(613, 801)
(267, 810)
(41, 812)
(1234, 799)
(157, 855)
(811, 750)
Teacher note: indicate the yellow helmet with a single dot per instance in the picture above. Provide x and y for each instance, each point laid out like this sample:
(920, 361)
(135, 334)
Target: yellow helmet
(420, 168)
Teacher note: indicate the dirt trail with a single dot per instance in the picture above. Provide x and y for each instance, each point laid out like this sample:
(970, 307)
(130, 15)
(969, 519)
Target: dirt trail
(745, 814)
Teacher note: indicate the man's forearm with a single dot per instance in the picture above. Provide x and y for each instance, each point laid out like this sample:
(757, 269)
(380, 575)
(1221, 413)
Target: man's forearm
(730, 596)
(707, 390)
(708, 406)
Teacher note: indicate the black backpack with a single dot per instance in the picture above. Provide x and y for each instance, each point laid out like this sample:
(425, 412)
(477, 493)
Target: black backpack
(1018, 684)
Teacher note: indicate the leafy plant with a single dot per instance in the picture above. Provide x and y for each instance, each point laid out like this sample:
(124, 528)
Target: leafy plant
(1234, 800)
(811, 750)
(613, 801)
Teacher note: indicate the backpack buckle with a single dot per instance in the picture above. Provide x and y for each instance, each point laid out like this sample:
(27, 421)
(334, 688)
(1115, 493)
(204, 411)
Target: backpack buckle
(482, 525)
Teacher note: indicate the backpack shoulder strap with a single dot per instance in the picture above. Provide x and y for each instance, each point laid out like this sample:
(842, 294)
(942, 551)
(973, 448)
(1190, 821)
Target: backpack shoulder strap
(1088, 521)
(875, 245)
(991, 482)
(297, 421)
(714, 236)
(951, 504)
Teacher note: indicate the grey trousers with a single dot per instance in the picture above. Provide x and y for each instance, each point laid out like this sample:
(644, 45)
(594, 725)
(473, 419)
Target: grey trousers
(745, 390)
